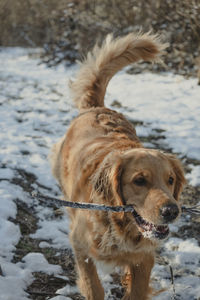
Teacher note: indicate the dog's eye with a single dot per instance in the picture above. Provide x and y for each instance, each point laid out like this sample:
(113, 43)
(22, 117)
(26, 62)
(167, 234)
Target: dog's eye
(171, 180)
(140, 181)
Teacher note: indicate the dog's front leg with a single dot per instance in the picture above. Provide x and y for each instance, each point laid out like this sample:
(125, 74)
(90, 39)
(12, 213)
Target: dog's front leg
(137, 280)
(88, 281)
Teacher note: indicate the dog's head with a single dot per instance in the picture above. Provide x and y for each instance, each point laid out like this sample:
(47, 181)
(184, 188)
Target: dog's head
(149, 180)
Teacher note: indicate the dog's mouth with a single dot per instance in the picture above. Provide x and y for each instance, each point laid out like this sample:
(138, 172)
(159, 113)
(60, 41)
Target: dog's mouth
(151, 230)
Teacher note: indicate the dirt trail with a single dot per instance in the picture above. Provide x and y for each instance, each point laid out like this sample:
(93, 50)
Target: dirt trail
(29, 95)
(45, 286)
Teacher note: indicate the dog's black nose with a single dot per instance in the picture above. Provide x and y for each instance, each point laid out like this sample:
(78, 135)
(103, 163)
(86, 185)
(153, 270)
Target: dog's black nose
(169, 212)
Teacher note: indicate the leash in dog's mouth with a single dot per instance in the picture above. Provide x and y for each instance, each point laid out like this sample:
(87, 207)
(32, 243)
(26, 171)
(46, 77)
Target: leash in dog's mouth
(148, 229)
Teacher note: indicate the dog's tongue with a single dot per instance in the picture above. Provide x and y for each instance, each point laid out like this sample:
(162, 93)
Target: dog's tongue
(161, 231)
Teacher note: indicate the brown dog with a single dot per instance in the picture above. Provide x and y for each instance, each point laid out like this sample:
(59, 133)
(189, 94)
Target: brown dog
(101, 160)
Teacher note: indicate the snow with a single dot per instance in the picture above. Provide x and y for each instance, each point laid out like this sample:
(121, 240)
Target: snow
(36, 262)
(16, 277)
(35, 110)
(194, 176)
(168, 102)
(184, 256)
(54, 230)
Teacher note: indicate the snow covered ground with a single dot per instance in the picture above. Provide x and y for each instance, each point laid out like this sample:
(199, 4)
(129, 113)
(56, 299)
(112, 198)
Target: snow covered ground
(35, 110)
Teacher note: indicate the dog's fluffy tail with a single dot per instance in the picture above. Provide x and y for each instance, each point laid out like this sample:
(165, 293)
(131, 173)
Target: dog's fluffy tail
(103, 62)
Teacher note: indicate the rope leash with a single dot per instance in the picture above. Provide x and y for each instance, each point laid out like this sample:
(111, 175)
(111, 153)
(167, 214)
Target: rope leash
(91, 206)
(193, 210)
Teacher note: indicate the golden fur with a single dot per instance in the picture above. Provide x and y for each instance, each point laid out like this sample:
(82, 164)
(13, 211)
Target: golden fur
(101, 160)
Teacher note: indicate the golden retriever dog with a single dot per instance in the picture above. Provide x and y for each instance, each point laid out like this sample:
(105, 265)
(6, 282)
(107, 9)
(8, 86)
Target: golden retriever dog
(101, 160)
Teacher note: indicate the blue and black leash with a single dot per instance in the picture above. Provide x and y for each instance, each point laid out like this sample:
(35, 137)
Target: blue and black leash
(51, 201)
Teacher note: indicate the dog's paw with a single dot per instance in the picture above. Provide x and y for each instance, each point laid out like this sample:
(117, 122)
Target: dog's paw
(127, 297)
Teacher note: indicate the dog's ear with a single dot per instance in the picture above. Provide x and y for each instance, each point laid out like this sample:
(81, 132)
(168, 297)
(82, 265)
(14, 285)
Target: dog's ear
(107, 180)
(180, 178)
(116, 181)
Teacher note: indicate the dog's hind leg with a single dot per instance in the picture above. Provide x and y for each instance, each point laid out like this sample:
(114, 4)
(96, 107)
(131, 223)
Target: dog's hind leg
(137, 280)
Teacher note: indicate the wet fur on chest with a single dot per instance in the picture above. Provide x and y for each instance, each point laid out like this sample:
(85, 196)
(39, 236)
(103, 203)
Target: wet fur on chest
(116, 239)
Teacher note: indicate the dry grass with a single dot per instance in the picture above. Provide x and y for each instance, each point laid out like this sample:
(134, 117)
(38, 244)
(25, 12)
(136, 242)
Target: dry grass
(68, 29)
(28, 22)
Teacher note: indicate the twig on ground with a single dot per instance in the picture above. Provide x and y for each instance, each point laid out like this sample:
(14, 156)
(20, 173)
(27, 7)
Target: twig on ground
(193, 210)
(173, 297)
(1, 272)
